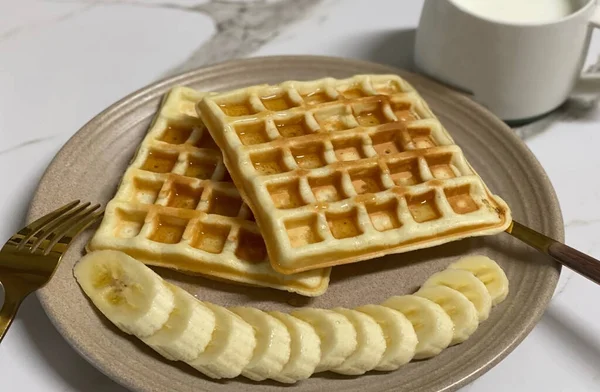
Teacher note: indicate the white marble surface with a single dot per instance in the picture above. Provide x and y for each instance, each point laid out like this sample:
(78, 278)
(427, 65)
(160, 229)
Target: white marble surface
(61, 62)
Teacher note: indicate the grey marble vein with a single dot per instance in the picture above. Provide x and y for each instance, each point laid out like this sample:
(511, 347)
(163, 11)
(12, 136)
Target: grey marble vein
(242, 27)
(561, 289)
(27, 143)
(33, 26)
(581, 222)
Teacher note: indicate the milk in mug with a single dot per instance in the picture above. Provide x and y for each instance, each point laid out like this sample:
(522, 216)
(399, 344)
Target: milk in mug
(520, 11)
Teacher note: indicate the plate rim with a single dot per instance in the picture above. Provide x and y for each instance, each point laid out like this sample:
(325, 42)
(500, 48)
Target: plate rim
(144, 93)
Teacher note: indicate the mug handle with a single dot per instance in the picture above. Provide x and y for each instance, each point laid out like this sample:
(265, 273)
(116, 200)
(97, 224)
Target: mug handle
(588, 83)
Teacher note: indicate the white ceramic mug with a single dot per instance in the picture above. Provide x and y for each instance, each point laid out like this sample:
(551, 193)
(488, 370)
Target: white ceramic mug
(518, 70)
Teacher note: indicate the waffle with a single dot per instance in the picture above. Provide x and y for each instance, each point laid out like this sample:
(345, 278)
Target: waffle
(176, 207)
(338, 171)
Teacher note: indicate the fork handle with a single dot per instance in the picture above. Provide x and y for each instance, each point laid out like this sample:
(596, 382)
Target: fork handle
(9, 310)
(575, 260)
(569, 257)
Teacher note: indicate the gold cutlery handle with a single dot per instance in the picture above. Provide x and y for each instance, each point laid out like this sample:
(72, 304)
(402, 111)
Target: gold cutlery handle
(564, 254)
(9, 309)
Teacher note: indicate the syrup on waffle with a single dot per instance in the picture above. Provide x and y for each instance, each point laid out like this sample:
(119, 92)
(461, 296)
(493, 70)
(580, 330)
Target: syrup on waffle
(338, 171)
(176, 207)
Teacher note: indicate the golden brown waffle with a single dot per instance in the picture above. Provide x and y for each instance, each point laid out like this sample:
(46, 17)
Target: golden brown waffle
(338, 171)
(176, 207)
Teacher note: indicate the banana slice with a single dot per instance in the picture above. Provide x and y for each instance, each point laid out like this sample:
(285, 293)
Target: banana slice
(434, 328)
(187, 331)
(272, 350)
(231, 347)
(370, 344)
(467, 284)
(163, 353)
(400, 337)
(305, 349)
(457, 306)
(129, 294)
(489, 272)
(337, 334)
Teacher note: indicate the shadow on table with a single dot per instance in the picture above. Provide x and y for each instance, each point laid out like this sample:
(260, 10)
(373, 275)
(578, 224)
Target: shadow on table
(58, 354)
(580, 340)
(395, 48)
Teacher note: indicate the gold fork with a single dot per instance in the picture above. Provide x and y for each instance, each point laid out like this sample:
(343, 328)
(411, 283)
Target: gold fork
(30, 257)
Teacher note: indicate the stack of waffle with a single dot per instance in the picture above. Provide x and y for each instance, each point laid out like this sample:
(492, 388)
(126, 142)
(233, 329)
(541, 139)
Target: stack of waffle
(333, 171)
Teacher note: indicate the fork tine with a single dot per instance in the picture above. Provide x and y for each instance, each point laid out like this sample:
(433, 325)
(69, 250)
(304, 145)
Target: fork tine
(34, 227)
(66, 236)
(64, 224)
(43, 230)
(51, 226)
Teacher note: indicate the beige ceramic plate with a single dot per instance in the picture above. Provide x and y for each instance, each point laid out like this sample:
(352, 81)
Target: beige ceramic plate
(89, 167)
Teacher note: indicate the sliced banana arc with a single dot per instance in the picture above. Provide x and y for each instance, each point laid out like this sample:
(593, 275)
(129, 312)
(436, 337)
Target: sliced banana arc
(489, 272)
(188, 330)
(131, 295)
(467, 284)
(224, 343)
(434, 328)
(370, 344)
(457, 306)
(272, 350)
(231, 347)
(399, 334)
(337, 334)
(305, 349)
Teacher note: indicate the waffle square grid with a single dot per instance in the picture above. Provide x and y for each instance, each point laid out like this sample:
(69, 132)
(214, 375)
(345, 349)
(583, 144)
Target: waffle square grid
(338, 171)
(176, 207)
